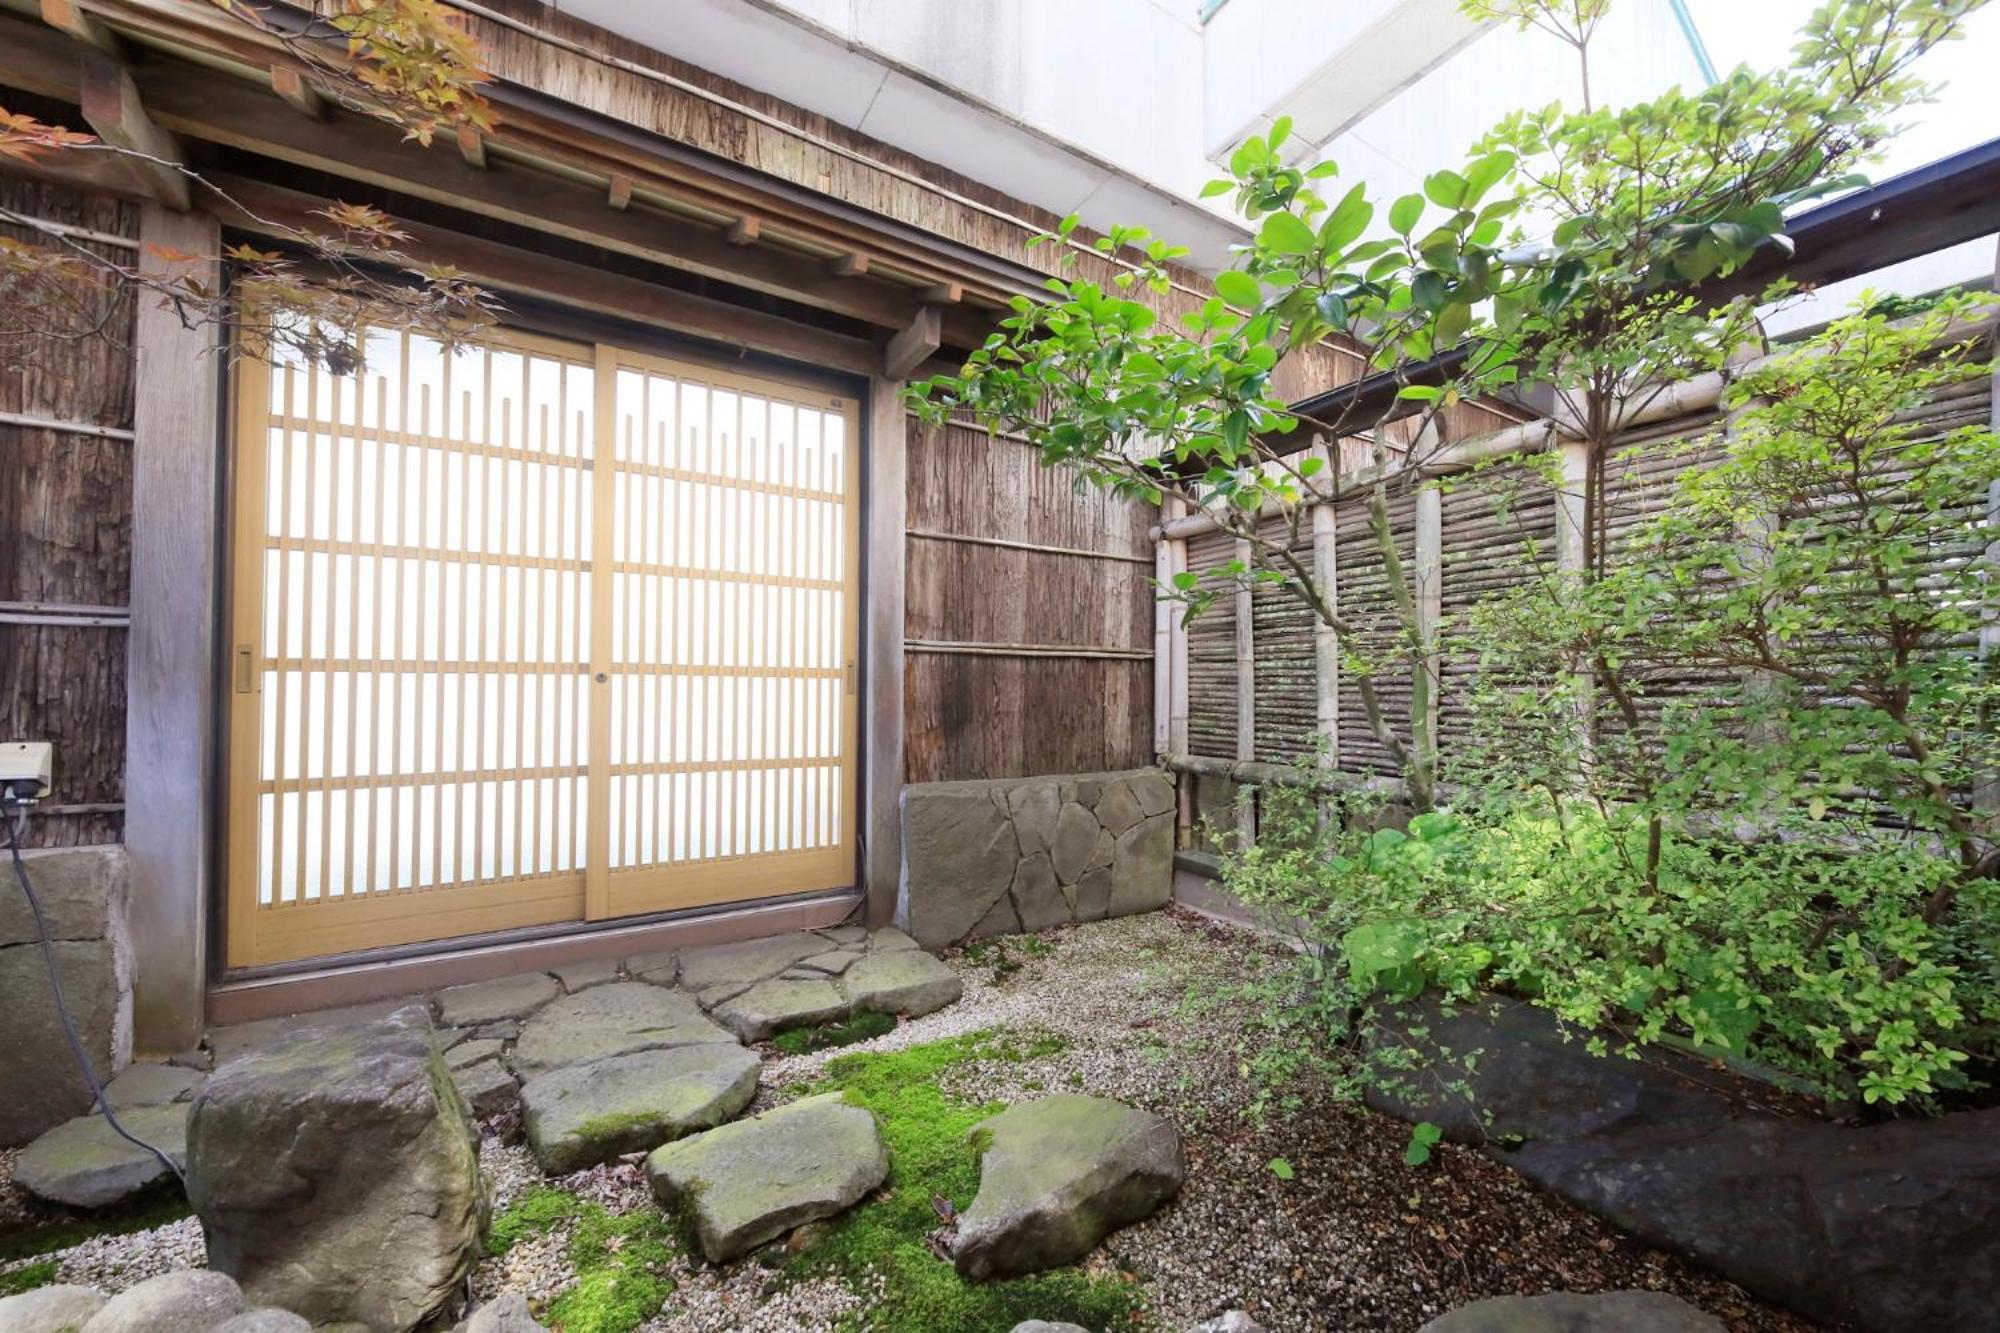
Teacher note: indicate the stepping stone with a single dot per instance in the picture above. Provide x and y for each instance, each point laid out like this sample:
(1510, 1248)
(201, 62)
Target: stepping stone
(611, 1020)
(487, 1089)
(191, 1301)
(586, 1114)
(152, 1085)
(903, 981)
(506, 1313)
(889, 939)
(229, 1042)
(770, 1007)
(84, 1163)
(752, 1181)
(1566, 1312)
(848, 936)
(270, 1319)
(469, 1053)
(1058, 1175)
(661, 968)
(833, 963)
(492, 1001)
(50, 1309)
(747, 961)
(505, 1030)
(582, 976)
(1044, 1326)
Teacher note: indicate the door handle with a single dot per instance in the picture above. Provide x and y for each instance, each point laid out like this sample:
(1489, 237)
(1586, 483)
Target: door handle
(245, 669)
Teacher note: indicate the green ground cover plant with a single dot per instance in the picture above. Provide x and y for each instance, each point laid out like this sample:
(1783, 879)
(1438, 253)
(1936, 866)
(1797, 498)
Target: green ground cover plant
(863, 1026)
(620, 1259)
(28, 1278)
(932, 1156)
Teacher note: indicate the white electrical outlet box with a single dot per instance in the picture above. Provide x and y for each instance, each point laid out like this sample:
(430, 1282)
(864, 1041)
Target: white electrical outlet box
(27, 762)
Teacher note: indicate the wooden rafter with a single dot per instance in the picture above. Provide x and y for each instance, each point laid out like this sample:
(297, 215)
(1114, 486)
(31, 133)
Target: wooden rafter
(944, 293)
(745, 231)
(619, 193)
(65, 17)
(290, 85)
(912, 346)
(472, 146)
(854, 265)
(112, 108)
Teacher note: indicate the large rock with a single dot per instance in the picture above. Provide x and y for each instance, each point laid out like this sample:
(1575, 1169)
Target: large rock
(490, 1001)
(586, 1114)
(192, 1301)
(237, 1039)
(1568, 1312)
(336, 1174)
(611, 1020)
(752, 1181)
(771, 1007)
(269, 1319)
(1058, 1175)
(486, 1088)
(1879, 1227)
(903, 981)
(83, 895)
(506, 1313)
(85, 1163)
(959, 853)
(54, 1309)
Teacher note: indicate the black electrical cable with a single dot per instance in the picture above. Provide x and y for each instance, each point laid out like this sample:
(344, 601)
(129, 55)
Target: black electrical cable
(15, 827)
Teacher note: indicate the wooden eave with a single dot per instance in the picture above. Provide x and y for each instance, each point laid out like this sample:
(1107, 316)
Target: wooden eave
(548, 166)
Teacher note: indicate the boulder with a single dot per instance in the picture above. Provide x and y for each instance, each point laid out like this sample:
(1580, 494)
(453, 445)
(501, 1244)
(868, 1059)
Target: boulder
(905, 981)
(54, 1309)
(771, 1007)
(747, 961)
(152, 1085)
(85, 1163)
(1569, 1312)
(190, 1301)
(506, 1313)
(83, 892)
(610, 1020)
(269, 1319)
(585, 1114)
(336, 1174)
(240, 1038)
(1059, 1174)
(490, 1001)
(750, 1182)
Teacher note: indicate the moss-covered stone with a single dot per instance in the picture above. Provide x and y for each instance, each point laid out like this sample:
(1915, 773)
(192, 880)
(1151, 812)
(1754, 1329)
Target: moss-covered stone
(586, 1114)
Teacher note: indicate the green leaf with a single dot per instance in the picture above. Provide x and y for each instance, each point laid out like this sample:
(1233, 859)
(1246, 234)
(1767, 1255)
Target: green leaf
(1324, 170)
(1403, 214)
(1349, 218)
(1428, 291)
(1332, 307)
(1286, 234)
(1238, 288)
(1281, 1168)
(1446, 189)
(1452, 322)
(1424, 1136)
(1215, 187)
(1281, 130)
(1482, 175)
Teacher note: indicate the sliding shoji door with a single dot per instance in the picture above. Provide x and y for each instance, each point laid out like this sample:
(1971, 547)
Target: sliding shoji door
(530, 634)
(729, 622)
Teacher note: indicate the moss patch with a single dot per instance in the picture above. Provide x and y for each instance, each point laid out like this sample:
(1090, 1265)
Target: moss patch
(861, 1027)
(931, 1153)
(620, 1259)
(27, 1279)
(51, 1228)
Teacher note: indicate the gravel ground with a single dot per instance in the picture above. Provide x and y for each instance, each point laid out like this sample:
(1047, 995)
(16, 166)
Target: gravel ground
(1356, 1240)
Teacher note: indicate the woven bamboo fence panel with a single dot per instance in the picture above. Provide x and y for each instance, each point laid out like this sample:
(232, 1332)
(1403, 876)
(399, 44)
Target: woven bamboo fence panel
(1362, 587)
(1212, 681)
(1286, 688)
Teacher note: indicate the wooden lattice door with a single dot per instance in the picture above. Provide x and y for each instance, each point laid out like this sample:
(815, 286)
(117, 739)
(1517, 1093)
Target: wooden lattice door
(536, 633)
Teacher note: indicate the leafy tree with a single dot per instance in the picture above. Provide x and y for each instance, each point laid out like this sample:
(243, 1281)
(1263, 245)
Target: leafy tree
(407, 62)
(1647, 203)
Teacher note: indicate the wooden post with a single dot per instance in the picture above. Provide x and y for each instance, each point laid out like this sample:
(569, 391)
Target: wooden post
(1986, 788)
(882, 586)
(1246, 696)
(171, 667)
(1430, 608)
(1177, 699)
(1326, 643)
(1163, 642)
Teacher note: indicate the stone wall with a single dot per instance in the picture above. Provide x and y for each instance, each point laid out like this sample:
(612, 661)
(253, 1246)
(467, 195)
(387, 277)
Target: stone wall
(1021, 854)
(1882, 1227)
(82, 890)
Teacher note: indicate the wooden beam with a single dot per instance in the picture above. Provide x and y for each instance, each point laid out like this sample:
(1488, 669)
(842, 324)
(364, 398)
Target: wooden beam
(512, 270)
(472, 146)
(619, 194)
(912, 346)
(848, 266)
(885, 552)
(171, 653)
(64, 16)
(112, 107)
(289, 84)
(944, 293)
(745, 231)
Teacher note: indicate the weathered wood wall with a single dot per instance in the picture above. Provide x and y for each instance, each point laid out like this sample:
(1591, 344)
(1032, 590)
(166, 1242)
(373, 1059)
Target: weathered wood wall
(974, 709)
(66, 536)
